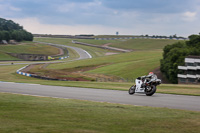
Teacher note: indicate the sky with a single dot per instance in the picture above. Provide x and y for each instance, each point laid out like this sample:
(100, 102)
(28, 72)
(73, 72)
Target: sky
(105, 17)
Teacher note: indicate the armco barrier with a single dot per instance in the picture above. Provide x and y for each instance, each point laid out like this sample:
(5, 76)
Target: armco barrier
(34, 75)
(141, 38)
(61, 58)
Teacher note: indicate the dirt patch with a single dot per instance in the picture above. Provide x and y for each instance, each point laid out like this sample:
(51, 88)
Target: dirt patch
(61, 52)
(110, 53)
(28, 68)
(107, 44)
(70, 74)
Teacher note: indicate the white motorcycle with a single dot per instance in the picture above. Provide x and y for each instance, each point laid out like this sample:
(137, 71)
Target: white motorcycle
(144, 86)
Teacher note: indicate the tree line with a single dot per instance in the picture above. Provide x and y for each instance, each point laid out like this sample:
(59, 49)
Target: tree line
(10, 30)
(174, 56)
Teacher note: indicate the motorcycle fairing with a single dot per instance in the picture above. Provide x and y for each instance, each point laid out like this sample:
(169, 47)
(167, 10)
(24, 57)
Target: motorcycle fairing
(138, 86)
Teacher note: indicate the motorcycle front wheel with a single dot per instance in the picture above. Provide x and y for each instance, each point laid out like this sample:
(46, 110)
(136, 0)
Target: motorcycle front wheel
(131, 91)
(150, 90)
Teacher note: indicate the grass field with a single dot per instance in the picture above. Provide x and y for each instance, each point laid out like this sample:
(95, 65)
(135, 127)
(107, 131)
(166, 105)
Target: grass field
(144, 44)
(127, 65)
(27, 48)
(22, 114)
(133, 44)
(6, 57)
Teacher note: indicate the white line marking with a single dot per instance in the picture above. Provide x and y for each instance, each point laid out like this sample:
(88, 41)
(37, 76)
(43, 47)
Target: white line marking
(88, 54)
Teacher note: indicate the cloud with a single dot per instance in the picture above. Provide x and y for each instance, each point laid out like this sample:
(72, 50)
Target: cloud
(77, 6)
(149, 6)
(35, 26)
(189, 16)
(7, 10)
(8, 7)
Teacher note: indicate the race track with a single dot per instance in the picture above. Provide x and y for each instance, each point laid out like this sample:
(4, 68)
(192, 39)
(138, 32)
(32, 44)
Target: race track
(99, 95)
(112, 96)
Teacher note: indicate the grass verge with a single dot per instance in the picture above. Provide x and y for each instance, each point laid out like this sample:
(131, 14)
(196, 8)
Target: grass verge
(22, 114)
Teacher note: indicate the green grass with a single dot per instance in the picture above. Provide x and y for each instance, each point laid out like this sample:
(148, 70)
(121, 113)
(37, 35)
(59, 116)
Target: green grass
(127, 65)
(30, 48)
(144, 44)
(6, 57)
(133, 44)
(22, 114)
(27, 48)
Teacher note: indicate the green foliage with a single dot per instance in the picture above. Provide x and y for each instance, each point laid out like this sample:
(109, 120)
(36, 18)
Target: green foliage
(10, 30)
(9, 25)
(194, 41)
(175, 54)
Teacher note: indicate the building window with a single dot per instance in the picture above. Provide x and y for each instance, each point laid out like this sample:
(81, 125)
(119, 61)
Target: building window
(181, 71)
(192, 72)
(182, 80)
(198, 64)
(198, 72)
(191, 80)
(190, 64)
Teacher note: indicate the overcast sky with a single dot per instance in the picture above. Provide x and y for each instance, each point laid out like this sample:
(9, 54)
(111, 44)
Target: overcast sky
(128, 17)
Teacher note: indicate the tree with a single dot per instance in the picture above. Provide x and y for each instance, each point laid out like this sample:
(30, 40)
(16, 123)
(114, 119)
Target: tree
(11, 30)
(174, 55)
(5, 35)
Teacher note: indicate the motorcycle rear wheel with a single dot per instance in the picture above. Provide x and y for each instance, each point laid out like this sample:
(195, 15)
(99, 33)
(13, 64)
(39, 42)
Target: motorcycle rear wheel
(131, 91)
(151, 91)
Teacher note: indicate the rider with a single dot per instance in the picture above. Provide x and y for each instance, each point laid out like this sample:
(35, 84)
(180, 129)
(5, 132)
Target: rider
(148, 78)
(151, 76)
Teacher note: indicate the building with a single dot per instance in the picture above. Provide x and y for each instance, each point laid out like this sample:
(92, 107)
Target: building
(190, 73)
(4, 42)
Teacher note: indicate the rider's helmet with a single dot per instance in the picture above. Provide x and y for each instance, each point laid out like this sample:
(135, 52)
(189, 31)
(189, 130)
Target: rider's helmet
(151, 73)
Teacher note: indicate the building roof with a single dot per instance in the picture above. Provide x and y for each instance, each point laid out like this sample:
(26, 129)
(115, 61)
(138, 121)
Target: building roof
(194, 57)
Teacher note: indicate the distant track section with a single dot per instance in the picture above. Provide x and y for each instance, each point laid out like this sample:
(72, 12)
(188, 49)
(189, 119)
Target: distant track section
(103, 47)
(82, 53)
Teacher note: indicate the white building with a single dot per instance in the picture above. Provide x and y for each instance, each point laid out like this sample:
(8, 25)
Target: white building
(190, 73)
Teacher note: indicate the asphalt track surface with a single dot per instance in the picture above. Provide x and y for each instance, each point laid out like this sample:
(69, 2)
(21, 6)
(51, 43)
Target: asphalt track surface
(112, 96)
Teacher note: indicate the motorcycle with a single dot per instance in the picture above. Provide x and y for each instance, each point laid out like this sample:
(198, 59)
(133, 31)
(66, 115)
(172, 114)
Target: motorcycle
(144, 86)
